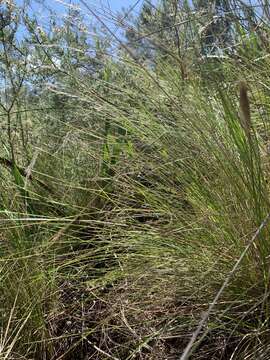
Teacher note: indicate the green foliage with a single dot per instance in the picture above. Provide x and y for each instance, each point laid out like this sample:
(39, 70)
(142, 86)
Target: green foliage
(130, 189)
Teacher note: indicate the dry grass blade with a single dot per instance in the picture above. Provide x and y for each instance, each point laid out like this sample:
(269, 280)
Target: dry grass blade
(6, 347)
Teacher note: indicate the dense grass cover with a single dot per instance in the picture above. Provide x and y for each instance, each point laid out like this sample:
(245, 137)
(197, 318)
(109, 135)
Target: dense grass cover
(135, 205)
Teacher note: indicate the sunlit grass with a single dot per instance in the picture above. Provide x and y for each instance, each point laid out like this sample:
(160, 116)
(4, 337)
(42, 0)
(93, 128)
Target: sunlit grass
(138, 207)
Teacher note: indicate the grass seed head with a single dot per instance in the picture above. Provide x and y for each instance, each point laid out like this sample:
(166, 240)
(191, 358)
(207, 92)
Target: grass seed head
(245, 118)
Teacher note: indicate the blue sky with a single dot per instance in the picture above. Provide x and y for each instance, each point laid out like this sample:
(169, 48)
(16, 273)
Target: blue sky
(106, 9)
(101, 5)
(114, 5)
(118, 4)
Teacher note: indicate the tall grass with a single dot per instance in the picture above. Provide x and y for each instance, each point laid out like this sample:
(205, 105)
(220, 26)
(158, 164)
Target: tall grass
(154, 188)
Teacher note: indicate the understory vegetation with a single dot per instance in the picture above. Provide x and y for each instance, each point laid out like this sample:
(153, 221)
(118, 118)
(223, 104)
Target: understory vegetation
(135, 180)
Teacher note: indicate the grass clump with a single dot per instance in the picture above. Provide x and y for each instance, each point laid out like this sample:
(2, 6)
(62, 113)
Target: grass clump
(134, 205)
